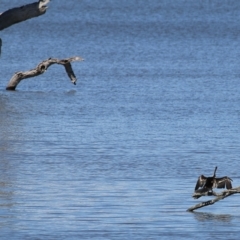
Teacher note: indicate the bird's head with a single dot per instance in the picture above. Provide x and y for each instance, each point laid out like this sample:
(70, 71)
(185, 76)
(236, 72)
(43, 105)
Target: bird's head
(215, 172)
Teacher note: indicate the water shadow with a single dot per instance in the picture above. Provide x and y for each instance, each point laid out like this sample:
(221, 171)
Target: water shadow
(204, 216)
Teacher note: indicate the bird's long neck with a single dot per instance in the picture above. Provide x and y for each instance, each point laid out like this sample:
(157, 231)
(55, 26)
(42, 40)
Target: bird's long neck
(214, 174)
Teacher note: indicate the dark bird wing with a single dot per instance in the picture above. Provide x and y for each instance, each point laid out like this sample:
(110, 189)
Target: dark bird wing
(224, 182)
(200, 182)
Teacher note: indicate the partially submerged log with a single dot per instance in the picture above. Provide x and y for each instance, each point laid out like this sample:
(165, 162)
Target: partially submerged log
(41, 68)
(219, 196)
(19, 14)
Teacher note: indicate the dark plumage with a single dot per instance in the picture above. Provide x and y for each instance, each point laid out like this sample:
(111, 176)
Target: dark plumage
(208, 183)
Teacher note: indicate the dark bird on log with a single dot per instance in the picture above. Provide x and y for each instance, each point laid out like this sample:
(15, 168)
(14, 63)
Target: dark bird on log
(206, 184)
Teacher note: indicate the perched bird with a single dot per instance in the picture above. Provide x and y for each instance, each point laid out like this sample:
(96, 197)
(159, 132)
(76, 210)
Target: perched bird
(206, 184)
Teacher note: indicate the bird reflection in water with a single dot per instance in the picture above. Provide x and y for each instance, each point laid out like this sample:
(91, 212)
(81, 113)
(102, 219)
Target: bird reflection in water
(204, 216)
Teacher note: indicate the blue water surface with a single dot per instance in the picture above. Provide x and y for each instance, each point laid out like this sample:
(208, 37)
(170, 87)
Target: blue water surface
(117, 156)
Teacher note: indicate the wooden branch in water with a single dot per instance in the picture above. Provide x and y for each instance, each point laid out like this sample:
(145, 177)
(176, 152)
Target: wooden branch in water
(41, 68)
(219, 196)
(19, 14)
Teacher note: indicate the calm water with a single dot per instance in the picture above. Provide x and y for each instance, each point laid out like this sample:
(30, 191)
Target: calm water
(117, 156)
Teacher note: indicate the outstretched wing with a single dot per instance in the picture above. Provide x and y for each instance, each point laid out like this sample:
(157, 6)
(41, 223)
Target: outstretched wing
(200, 182)
(224, 182)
